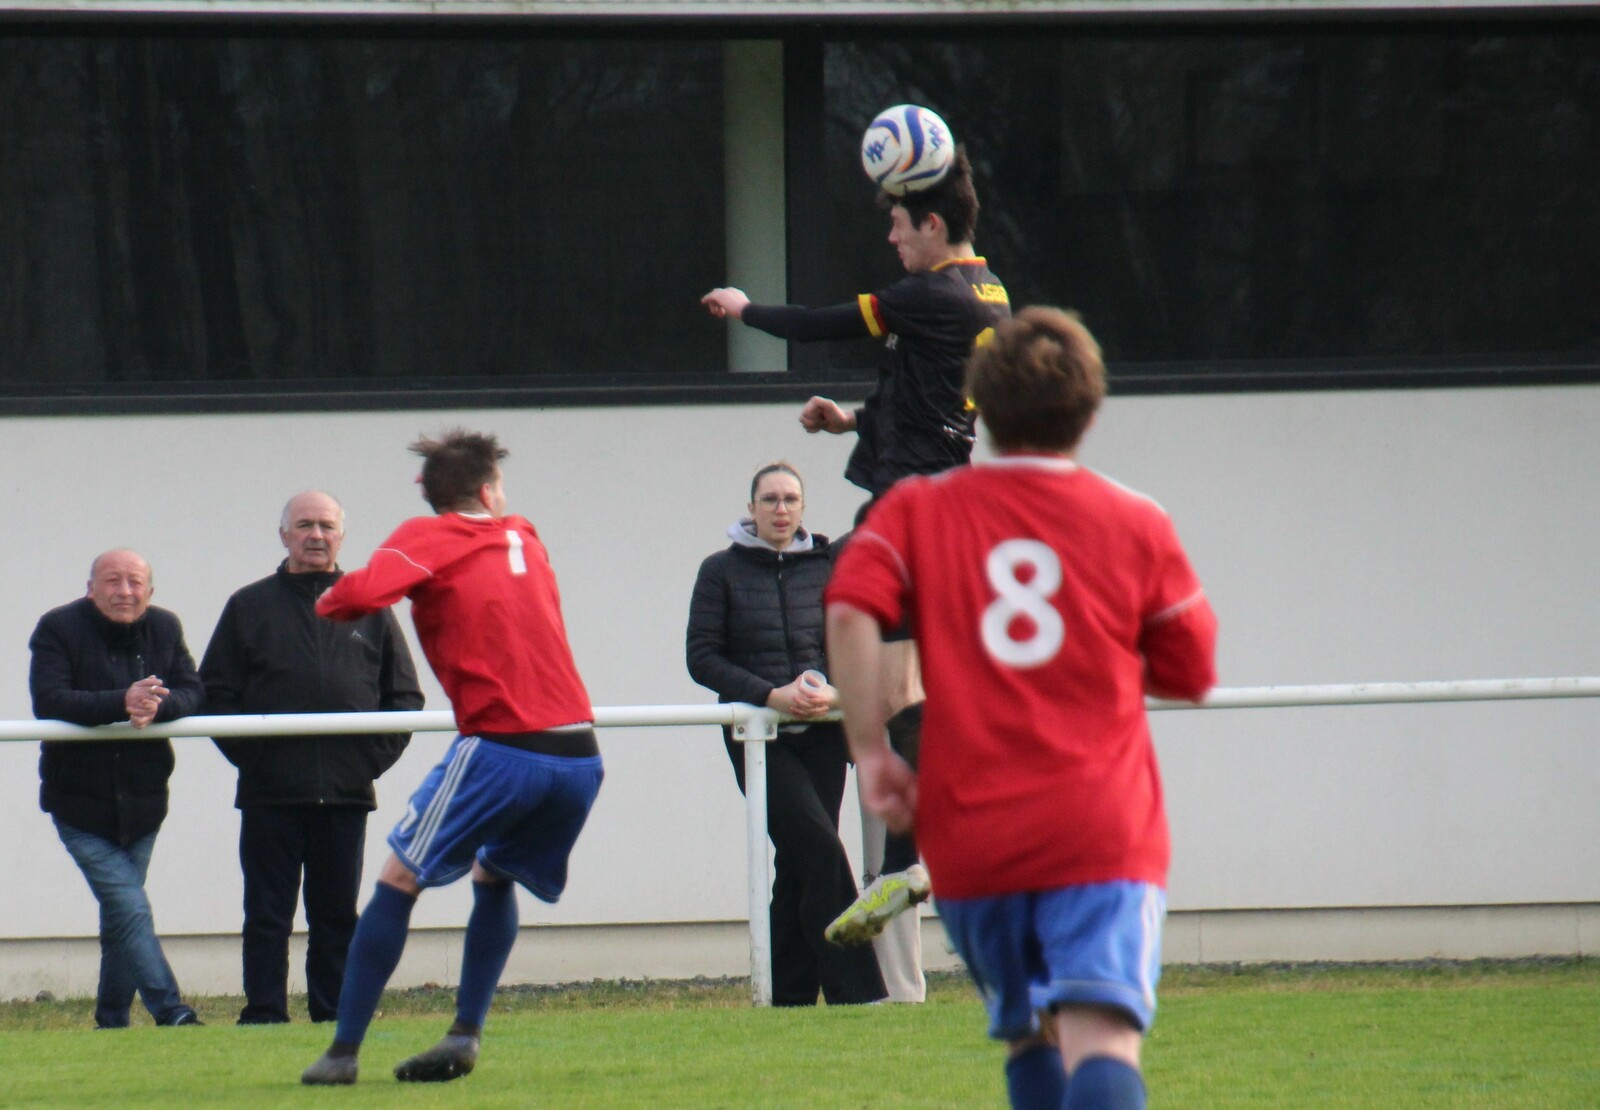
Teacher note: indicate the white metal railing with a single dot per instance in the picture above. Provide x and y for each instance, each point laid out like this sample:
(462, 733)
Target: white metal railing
(750, 723)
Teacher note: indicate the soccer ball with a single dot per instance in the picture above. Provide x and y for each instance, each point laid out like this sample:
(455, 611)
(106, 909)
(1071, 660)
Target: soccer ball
(907, 149)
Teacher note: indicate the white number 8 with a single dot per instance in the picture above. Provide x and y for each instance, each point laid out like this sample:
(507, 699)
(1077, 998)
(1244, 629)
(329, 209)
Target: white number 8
(1030, 599)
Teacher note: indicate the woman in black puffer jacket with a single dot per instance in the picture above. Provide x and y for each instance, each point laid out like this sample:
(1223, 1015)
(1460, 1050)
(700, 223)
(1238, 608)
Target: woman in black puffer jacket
(755, 630)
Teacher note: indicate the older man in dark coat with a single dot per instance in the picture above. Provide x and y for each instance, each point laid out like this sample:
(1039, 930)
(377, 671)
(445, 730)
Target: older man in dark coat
(111, 657)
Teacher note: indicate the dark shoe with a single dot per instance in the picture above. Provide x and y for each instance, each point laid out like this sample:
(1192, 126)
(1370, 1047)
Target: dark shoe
(331, 1071)
(185, 1016)
(105, 1018)
(451, 1058)
(248, 1018)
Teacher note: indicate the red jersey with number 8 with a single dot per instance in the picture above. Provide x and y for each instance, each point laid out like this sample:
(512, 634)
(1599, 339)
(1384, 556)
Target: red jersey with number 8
(488, 615)
(1046, 602)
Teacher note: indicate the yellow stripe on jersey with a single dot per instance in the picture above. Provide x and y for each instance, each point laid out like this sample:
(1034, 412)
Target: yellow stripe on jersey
(984, 338)
(869, 312)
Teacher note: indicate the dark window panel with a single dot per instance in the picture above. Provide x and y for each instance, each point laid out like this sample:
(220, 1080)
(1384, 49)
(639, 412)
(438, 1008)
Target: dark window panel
(274, 217)
(228, 209)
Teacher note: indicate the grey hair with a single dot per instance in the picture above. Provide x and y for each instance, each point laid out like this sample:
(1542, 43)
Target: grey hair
(94, 567)
(283, 520)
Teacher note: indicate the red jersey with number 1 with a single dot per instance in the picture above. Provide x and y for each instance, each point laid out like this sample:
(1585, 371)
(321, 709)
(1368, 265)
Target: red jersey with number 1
(484, 600)
(1046, 601)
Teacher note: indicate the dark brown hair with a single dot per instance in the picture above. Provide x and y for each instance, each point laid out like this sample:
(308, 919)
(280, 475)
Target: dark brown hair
(954, 199)
(1038, 382)
(456, 466)
(775, 468)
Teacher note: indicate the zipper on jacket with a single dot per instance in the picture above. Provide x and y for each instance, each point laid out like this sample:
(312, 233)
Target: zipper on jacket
(317, 634)
(783, 610)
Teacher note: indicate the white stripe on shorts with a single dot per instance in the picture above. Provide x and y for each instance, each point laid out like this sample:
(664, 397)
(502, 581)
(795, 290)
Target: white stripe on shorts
(440, 802)
(1150, 917)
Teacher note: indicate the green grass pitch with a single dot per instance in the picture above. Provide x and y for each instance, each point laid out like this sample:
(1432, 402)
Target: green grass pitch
(1523, 1034)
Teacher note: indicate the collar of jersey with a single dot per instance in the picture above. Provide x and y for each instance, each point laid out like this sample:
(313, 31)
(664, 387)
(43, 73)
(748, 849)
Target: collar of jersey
(1043, 462)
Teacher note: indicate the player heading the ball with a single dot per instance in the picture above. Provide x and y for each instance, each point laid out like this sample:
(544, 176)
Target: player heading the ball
(916, 419)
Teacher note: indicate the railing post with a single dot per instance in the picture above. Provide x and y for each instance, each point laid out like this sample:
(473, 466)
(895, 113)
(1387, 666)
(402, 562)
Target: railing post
(755, 728)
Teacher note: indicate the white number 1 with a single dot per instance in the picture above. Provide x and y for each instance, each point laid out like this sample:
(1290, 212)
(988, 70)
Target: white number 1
(519, 565)
(1029, 599)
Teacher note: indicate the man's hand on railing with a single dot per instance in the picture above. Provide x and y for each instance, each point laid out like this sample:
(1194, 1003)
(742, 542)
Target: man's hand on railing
(143, 700)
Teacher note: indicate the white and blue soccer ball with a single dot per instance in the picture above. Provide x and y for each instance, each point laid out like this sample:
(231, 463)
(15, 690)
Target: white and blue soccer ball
(907, 149)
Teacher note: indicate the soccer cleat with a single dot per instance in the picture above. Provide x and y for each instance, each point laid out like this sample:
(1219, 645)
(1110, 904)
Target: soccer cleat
(885, 899)
(330, 1071)
(453, 1057)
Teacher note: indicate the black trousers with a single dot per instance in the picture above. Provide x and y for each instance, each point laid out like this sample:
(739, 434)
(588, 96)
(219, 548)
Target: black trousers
(812, 879)
(277, 844)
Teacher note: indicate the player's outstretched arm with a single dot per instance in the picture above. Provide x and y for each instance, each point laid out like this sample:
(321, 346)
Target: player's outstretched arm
(390, 576)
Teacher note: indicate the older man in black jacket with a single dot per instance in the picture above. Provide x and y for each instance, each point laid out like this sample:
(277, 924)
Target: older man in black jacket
(303, 800)
(106, 658)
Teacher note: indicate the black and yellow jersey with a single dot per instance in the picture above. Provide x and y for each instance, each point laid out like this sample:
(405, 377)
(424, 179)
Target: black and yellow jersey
(916, 420)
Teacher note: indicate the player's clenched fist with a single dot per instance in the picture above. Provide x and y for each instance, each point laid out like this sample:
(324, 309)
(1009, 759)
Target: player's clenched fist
(725, 302)
(823, 415)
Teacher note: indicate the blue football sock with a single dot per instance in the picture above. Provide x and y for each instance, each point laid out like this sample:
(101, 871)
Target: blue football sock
(380, 938)
(1034, 1079)
(491, 931)
(1104, 1083)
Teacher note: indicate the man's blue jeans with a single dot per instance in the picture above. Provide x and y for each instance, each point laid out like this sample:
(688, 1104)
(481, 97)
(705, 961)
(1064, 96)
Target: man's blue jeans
(130, 952)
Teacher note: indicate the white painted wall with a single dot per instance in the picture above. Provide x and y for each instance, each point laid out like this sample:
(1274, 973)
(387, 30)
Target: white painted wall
(1343, 537)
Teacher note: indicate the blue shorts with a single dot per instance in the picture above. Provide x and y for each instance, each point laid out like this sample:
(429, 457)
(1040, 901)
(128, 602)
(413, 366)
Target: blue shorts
(1097, 944)
(516, 812)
